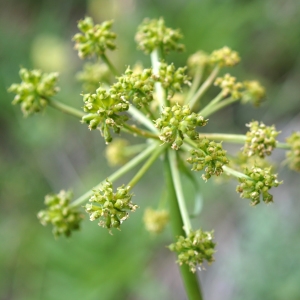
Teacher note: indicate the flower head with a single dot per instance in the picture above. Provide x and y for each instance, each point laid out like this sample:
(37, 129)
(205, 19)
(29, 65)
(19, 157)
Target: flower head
(111, 208)
(254, 92)
(94, 39)
(225, 57)
(260, 139)
(155, 220)
(153, 34)
(257, 184)
(177, 121)
(32, 92)
(60, 214)
(194, 249)
(209, 155)
(229, 86)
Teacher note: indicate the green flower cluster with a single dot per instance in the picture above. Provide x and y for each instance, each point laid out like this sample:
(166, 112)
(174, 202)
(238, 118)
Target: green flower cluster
(293, 156)
(194, 249)
(177, 121)
(32, 92)
(260, 140)
(112, 208)
(209, 155)
(253, 92)
(229, 86)
(153, 34)
(170, 78)
(115, 152)
(155, 220)
(92, 75)
(257, 184)
(103, 109)
(198, 59)
(60, 214)
(135, 86)
(224, 57)
(95, 39)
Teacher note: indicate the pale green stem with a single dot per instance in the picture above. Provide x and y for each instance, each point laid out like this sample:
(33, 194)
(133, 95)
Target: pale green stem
(140, 117)
(232, 138)
(219, 106)
(110, 65)
(146, 166)
(120, 172)
(160, 92)
(179, 191)
(211, 104)
(235, 173)
(195, 84)
(65, 108)
(204, 87)
(134, 149)
(133, 129)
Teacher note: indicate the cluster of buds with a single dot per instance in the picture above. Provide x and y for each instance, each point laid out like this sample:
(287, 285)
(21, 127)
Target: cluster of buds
(94, 39)
(177, 121)
(170, 78)
(229, 86)
(32, 92)
(257, 184)
(135, 86)
(112, 208)
(153, 34)
(253, 92)
(115, 152)
(224, 57)
(103, 110)
(60, 214)
(293, 156)
(260, 140)
(209, 155)
(155, 220)
(198, 59)
(194, 249)
(92, 75)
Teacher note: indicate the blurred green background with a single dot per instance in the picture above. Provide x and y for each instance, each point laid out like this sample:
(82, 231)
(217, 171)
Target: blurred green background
(258, 248)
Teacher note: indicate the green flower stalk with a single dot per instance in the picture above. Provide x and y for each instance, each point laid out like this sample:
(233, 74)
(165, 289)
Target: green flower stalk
(257, 185)
(293, 156)
(194, 249)
(260, 140)
(177, 121)
(155, 220)
(153, 34)
(224, 57)
(209, 155)
(33, 91)
(111, 208)
(60, 214)
(94, 39)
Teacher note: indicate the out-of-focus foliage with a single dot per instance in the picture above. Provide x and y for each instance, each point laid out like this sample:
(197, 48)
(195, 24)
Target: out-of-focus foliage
(258, 249)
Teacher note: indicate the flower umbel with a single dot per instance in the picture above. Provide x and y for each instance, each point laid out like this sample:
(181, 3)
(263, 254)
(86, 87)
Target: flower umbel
(94, 39)
(112, 208)
(155, 220)
(32, 92)
(225, 57)
(153, 34)
(209, 155)
(260, 140)
(253, 92)
(60, 214)
(293, 156)
(229, 86)
(177, 121)
(257, 185)
(194, 249)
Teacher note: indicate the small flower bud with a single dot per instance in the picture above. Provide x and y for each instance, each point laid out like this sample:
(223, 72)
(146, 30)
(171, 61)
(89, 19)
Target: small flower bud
(194, 249)
(225, 57)
(229, 86)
